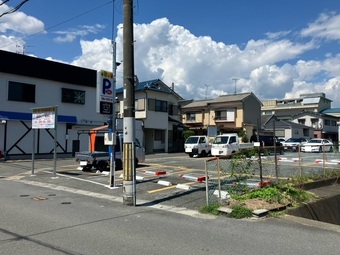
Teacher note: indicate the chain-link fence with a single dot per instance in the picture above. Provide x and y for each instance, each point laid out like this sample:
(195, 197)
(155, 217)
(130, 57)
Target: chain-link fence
(257, 167)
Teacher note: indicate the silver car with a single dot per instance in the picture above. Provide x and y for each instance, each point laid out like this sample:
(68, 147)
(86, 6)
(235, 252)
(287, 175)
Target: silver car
(292, 144)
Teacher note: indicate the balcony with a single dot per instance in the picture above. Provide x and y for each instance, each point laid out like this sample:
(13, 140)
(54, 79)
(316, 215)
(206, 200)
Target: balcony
(192, 121)
(223, 119)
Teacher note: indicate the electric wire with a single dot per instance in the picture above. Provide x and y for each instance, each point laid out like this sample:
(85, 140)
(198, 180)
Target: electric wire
(14, 9)
(3, 2)
(63, 22)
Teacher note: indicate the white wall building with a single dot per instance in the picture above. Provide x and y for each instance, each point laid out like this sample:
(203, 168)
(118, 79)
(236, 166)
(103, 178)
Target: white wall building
(27, 83)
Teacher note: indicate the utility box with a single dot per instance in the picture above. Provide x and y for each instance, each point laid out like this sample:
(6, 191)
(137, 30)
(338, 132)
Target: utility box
(109, 138)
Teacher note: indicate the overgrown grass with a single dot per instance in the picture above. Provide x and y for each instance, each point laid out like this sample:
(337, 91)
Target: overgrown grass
(281, 193)
(211, 209)
(240, 212)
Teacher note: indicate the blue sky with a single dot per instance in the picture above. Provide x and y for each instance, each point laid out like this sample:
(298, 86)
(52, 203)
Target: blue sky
(275, 49)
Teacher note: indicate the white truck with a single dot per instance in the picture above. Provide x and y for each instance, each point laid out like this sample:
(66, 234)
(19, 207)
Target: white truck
(225, 144)
(197, 145)
(98, 156)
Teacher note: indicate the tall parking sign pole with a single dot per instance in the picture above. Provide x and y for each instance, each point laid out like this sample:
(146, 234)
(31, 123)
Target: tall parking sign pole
(113, 117)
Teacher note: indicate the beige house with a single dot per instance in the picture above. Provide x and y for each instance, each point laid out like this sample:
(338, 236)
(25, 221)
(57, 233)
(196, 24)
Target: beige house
(224, 114)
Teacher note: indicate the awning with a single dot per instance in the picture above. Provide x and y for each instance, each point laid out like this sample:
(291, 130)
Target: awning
(3, 117)
(67, 119)
(28, 116)
(174, 120)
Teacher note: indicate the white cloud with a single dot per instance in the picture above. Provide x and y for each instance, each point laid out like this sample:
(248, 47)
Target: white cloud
(19, 22)
(96, 54)
(15, 27)
(73, 34)
(272, 67)
(173, 54)
(326, 26)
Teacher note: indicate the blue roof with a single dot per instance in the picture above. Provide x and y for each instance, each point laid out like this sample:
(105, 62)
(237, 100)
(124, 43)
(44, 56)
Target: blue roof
(331, 110)
(155, 85)
(28, 116)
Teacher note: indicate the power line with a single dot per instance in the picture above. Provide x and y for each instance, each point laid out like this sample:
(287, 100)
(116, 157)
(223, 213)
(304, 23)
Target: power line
(14, 9)
(65, 21)
(3, 2)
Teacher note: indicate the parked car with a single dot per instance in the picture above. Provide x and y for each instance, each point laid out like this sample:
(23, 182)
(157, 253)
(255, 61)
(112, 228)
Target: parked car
(281, 139)
(267, 143)
(293, 144)
(317, 145)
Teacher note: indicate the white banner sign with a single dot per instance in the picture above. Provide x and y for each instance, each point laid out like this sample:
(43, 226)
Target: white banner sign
(44, 117)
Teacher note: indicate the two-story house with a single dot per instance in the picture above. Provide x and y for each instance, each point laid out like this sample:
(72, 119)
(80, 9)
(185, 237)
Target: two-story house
(325, 126)
(285, 129)
(27, 83)
(156, 104)
(225, 114)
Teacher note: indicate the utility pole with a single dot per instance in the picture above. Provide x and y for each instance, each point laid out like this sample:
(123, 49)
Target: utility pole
(129, 168)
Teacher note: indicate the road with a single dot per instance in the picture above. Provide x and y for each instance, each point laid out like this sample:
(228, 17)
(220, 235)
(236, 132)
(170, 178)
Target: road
(77, 214)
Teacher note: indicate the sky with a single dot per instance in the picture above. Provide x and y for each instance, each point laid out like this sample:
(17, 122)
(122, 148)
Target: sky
(274, 49)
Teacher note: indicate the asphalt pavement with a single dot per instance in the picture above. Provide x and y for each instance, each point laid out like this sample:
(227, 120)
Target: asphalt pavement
(165, 181)
(160, 181)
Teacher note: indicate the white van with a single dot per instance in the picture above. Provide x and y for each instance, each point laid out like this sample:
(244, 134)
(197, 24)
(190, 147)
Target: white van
(225, 144)
(197, 145)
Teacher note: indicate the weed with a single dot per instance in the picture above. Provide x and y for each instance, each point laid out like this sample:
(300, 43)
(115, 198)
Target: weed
(210, 209)
(239, 212)
(283, 194)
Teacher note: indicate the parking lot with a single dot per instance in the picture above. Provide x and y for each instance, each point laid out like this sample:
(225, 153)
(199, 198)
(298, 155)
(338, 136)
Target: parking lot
(168, 179)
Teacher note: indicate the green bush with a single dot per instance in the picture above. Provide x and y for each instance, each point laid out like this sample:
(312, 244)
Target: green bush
(187, 133)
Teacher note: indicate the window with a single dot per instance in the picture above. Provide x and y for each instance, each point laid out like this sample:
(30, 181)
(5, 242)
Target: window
(161, 106)
(191, 116)
(22, 92)
(202, 140)
(157, 105)
(173, 109)
(302, 121)
(72, 96)
(226, 115)
(327, 122)
(232, 140)
(315, 123)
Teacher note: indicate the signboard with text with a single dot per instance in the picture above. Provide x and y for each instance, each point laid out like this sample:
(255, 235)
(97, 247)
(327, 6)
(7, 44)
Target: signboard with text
(104, 92)
(44, 117)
